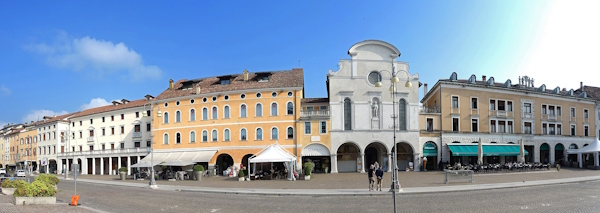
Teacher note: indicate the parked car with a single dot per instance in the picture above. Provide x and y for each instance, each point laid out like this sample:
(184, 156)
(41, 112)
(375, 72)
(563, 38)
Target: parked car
(2, 171)
(20, 173)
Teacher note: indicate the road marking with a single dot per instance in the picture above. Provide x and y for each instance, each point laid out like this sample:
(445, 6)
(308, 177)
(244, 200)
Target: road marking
(93, 209)
(214, 210)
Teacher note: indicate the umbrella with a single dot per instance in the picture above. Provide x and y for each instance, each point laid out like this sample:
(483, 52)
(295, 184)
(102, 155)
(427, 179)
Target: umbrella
(177, 163)
(479, 153)
(522, 152)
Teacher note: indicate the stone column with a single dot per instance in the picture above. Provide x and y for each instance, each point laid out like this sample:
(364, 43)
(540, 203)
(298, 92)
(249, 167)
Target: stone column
(333, 161)
(93, 166)
(596, 159)
(551, 150)
(58, 166)
(580, 160)
(47, 166)
(362, 158)
(118, 164)
(110, 170)
(417, 162)
(101, 166)
(390, 163)
(536, 156)
(128, 165)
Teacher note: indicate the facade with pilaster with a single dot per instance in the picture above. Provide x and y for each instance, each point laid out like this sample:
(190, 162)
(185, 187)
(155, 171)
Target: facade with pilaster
(51, 141)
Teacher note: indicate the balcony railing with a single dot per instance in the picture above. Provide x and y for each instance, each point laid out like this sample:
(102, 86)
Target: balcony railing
(431, 109)
(573, 119)
(137, 134)
(306, 113)
(142, 150)
(454, 110)
(502, 113)
(90, 139)
(527, 115)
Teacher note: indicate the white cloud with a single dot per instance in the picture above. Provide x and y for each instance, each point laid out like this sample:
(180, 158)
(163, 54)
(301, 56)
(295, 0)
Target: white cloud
(96, 102)
(104, 57)
(566, 50)
(5, 90)
(35, 115)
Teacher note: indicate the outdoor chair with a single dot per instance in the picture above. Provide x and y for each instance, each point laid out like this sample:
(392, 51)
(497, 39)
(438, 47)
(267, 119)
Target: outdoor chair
(206, 173)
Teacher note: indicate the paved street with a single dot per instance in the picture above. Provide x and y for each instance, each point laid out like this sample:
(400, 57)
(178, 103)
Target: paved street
(580, 197)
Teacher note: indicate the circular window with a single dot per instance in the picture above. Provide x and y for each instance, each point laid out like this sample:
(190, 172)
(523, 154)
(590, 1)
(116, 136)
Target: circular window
(204, 100)
(374, 77)
(177, 103)
(191, 101)
(243, 96)
(258, 95)
(166, 104)
(290, 93)
(214, 98)
(274, 94)
(226, 97)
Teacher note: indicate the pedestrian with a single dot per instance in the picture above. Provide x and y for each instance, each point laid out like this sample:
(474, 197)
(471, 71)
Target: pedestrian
(371, 177)
(379, 174)
(376, 165)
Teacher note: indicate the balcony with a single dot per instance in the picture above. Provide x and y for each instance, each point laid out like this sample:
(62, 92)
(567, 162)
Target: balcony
(527, 115)
(431, 110)
(137, 135)
(90, 139)
(314, 113)
(474, 112)
(586, 120)
(573, 119)
(454, 111)
(139, 150)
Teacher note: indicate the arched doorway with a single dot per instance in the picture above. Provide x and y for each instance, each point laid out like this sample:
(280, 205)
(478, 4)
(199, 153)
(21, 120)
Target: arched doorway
(572, 157)
(224, 161)
(559, 153)
(319, 154)
(376, 152)
(545, 153)
(430, 152)
(52, 166)
(245, 162)
(404, 155)
(79, 162)
(347, 156)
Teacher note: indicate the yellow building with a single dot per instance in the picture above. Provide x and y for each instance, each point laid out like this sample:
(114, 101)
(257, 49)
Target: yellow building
(313, 133)
(12, 136)
(27, 155)
(222, 121)
(463, 111)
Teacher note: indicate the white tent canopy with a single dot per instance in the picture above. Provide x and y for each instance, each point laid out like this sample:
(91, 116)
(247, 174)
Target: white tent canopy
(593, 148)
(275, 153)
(176, 158)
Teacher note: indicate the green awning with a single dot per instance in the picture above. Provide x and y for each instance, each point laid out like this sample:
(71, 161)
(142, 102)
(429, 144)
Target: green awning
(488, 150)
(559, 147)
(544, 147)
(429, 149)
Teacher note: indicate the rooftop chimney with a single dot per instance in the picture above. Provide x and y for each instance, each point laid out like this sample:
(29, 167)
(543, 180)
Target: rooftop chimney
(170, 83)
(425, 88)
(198, 90)
(246, 75)
(483, 78)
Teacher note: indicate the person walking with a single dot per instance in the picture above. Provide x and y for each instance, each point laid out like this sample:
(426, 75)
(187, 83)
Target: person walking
(376, 165)
(379, 174)
(371, 177)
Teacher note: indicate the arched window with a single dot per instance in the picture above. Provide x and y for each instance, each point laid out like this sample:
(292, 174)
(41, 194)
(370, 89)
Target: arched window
(347, 114)
(166, 118)
(226, 135)
(243, 111)
(192, 137)
(290, 133)
(215, 113)
(259, 134)
(290, 108)
(178, 138)
(177, 116)
(214, 135)
(402, 114)
(243, 134)
(258, 110)
(226, 112)
(274, 109)
(204, 113)
(204, 136)
(165, 139)
(274, 133)
(192, 114)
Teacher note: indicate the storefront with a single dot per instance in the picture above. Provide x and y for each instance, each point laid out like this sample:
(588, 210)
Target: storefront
(490, 153)
(319, 155)
(430, 153)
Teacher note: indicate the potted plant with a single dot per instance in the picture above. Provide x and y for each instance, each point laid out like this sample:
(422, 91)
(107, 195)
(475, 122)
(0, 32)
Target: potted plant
(9, 186)
(241, 175)
(123, 172)
(50, 179)
(198, 171)
(308, 167)
(41, 191)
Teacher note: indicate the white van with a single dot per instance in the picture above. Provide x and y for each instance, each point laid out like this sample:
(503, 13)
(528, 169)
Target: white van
(2, 171)
(20, 173)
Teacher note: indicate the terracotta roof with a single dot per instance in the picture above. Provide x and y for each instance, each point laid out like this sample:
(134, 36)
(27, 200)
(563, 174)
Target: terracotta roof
(315, 100)
(592, 92)
(136, 103)
(57, 118)
(549, 90)
(277, 79)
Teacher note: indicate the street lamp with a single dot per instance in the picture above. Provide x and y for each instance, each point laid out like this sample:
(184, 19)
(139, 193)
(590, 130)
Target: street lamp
(158, 114)
(392, 90)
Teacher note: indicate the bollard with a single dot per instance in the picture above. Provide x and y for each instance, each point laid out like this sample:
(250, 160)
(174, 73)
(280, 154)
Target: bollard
(74, 200)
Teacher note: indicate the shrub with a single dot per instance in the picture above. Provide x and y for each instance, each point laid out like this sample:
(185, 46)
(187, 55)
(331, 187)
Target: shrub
(198, 168)
(123, 169)
(308, 167)
(13, 183)
(51, 179)
(38, 188)
(241, 174)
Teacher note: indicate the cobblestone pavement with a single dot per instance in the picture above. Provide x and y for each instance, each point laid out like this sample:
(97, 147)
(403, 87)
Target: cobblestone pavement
(359, 181)
(572, 197)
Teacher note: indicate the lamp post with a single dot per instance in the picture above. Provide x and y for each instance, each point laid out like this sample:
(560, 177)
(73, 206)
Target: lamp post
(392, 90)
(152, 183)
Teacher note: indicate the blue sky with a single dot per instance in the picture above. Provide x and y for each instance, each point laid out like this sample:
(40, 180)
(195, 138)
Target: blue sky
(67, 56)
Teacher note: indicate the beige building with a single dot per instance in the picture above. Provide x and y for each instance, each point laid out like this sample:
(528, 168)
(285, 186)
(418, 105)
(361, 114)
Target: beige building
(549, 121)
(313, 133)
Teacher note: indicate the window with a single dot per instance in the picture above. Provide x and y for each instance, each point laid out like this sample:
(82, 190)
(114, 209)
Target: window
(103, 132)
(502, 105)
(204, 99)
(544, 129)
(509, 106)
(258, 110)
(274, 94)
(492, 126)
(103, 119)
(585, 113)
(80, 123)
(243, 134)
(122, 130)
(544, 112)
(551, 129)
(226, 135)
(243, 96)
(177, 103)
(474, 126)
(347, 115)
(136, 145)
(137, 115)
(177, 116)
(290, 133)
(91, 121)
(166, 118)
(259, 134)
(178, 138)
(112, 118)
(204, 113)
(225, 82)
(274, 109)
(290, 108)
(307, 129)
(290, 94)
(122, 116)
(323, 127)
(501, 126)
(137, 128)
(558, 129)
(551, 110)
(192, 114)
(527, 129)
(215, 113)
(572, 130)
(274, 133)
(454, 102)
(192, 101)
(558, 111)
(402, 114)
(586, 131)
(243, 110)
(91, 147)
(572, 112)
(492, 104)
(226, 97)
(204, 136)
(455, 124)
(509, 127)
(527, 107)
(226, 112)
(429, 126)
(80, 134)
(214, 135)
(374, 77)
(112, 130)
(148, 143)
(166, 138)
(473, 103)
(122, 145)
(148, 127)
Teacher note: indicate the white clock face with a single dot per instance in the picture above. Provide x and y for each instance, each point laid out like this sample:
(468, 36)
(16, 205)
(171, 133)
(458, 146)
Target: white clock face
(374, 77)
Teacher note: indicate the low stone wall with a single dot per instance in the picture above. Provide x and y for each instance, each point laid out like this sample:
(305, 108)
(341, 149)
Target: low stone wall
(19, 201)
(8, 191)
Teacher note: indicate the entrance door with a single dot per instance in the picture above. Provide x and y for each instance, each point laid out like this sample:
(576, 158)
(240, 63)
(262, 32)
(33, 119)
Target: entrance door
(89, 165)
(370, 157)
